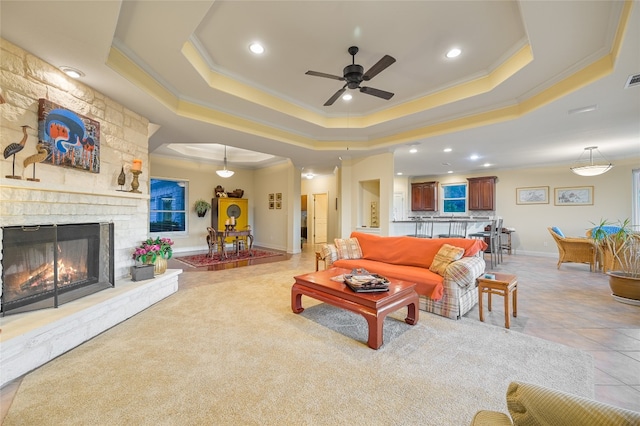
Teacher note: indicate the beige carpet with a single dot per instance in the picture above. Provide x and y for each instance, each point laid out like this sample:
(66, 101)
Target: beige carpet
(234, 353)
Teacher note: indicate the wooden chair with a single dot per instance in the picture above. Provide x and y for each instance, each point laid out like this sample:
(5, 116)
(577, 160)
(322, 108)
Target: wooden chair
(212, 241)
(577, 250)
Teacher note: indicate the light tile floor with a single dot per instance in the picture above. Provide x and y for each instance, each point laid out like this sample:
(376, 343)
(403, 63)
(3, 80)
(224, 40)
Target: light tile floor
(571, 306)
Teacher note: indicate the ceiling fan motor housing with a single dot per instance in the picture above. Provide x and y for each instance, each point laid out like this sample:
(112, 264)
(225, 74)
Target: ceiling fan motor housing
(353, 75)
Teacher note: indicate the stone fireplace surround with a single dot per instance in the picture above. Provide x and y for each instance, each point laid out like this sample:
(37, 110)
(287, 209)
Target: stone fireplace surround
(31, 339)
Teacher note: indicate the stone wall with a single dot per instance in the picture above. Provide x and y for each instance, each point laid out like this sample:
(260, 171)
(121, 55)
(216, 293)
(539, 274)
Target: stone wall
(66, 195)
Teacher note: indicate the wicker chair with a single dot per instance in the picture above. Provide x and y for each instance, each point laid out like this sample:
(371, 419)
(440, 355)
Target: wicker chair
(576, 250)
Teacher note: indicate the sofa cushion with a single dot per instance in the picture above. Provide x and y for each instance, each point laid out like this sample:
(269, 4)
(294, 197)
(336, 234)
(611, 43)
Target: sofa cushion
(444, 257)
(329, 253)
(531, 404)
(427, 283)
(348, 248)
(410, 250)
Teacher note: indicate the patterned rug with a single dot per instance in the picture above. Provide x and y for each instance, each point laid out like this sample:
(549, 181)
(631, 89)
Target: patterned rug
(199, 260)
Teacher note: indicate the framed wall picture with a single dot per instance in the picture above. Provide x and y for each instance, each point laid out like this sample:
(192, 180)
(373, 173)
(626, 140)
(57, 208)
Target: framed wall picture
(271, 205)
(278, 196)
(574, 196)
(532, 195)
(278, 204)
(271, 197)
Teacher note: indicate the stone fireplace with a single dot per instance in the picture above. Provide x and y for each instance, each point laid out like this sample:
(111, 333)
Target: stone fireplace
(45, 266)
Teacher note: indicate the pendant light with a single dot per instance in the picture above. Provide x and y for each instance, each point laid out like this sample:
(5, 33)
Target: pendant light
(224, 173)
(592, 169)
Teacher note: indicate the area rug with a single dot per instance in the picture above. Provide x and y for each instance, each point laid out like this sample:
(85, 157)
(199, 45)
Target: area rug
(228, 354)
(199, 260)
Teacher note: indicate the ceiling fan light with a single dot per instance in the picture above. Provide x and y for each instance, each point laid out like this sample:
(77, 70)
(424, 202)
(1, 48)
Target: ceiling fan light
(591, 169)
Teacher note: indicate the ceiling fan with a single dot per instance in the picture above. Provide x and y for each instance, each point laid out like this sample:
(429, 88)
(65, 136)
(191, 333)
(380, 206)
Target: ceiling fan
(354, 75)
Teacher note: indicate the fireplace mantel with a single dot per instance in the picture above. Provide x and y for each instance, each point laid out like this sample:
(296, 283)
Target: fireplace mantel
(12, 184)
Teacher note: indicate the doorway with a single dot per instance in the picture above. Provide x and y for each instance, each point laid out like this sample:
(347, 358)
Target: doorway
(320, 214)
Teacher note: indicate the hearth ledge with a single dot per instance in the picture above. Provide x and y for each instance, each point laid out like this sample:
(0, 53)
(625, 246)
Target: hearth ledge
(32, 339)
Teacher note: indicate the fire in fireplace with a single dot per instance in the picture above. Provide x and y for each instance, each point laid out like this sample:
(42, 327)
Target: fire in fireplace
(48, 265)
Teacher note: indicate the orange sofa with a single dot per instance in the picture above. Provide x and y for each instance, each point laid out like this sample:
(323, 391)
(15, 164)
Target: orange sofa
(408, 258)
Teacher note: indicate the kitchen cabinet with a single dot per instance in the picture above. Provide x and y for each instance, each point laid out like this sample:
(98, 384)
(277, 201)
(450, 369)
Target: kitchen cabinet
(482, 192)
(424, 196)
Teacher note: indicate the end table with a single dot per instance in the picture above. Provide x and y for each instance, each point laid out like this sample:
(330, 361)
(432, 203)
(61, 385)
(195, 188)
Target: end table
(505, 285)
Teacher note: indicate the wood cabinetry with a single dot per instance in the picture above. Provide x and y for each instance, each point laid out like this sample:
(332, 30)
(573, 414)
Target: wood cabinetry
(223, 208)
(482, 192)
(424, 196)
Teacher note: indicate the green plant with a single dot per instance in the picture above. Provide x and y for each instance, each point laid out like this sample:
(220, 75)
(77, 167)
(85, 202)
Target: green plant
(202, 206)
(620, 246)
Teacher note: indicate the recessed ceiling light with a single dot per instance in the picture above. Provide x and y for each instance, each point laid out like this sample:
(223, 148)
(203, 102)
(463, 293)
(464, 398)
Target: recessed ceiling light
(450, 171)
(453, 53)
(413, 150)
(486, 164)
(474, 157)
(399, 173)
(256, 48)
(447, 150)
(347, 97)
(72, 72)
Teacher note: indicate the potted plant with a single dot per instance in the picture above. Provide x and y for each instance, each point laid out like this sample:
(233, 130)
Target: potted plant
(620, 254)
(202, 207)
(155, 252)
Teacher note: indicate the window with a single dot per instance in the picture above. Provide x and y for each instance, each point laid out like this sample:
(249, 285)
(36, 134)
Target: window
(167, 212)
(454, 199)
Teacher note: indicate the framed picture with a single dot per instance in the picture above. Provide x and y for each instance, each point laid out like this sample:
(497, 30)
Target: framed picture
(271, 204)
(532, 195)
(71, 139)
(278, 196)
(278, 204)
(271, 197)
(574, 196)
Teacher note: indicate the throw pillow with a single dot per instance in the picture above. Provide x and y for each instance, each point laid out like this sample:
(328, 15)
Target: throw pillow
(348, 248)
(329, 253)
(557, 231)
(444, 257)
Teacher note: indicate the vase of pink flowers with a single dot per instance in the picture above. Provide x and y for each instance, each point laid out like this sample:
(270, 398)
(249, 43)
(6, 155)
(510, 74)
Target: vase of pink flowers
(155, 252)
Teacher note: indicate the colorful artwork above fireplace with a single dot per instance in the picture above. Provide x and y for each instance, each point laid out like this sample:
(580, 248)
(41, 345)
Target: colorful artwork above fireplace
(73, 140)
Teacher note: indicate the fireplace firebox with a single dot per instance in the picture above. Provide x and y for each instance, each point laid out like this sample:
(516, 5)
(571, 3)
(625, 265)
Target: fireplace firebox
(47, 265)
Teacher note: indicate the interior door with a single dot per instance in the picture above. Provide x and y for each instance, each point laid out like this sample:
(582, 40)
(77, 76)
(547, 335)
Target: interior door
(320, 213)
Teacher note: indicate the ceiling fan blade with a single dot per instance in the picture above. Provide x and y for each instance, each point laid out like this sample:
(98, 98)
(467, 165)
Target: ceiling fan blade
(335, 96)
(321, 74)
(376, 92)
(381, 65)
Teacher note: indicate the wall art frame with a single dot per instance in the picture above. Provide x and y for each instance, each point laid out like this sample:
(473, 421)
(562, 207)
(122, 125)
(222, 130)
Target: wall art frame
(532, 195)
(573, 196)
(72, 140)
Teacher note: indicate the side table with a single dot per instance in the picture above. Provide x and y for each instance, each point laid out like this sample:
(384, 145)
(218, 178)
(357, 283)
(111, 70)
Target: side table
(505, 285)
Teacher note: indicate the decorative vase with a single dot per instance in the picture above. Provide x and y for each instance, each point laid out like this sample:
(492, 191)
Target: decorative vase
(625, 288)
(160, 265)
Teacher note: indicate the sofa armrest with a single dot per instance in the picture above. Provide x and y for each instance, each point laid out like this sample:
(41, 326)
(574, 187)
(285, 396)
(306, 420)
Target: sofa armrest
(535, 404)
(491, 418)
(463, 272)
(328, 254)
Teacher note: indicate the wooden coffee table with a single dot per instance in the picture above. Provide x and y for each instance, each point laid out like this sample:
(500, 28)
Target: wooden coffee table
(374, 307)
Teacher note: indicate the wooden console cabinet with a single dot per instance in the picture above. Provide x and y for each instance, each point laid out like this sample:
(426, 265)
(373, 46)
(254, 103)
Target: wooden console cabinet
(482, 193)
(424, 196)
(223, 208)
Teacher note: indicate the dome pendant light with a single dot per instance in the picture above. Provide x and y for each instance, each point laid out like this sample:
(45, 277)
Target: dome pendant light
(591, 169)
(224, 173)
